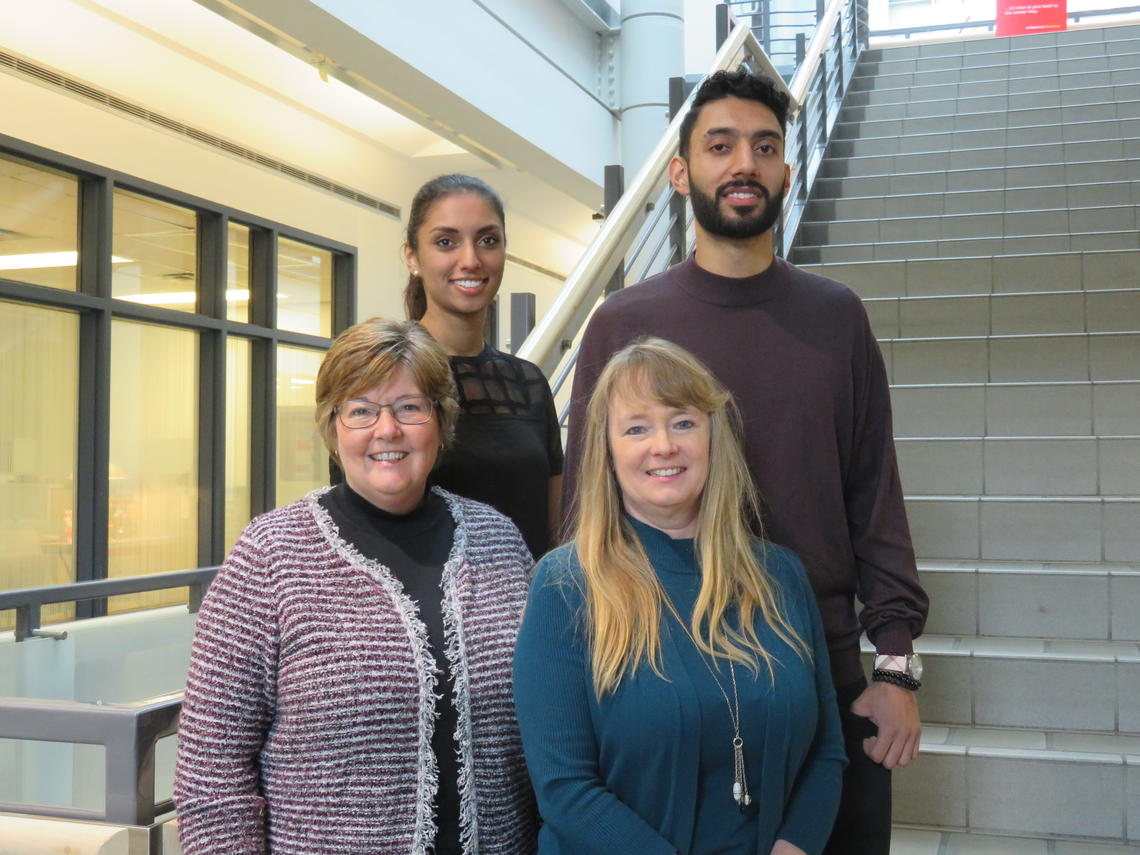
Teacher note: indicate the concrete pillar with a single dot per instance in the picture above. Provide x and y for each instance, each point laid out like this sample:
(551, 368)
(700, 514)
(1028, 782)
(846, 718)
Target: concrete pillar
(652, 50)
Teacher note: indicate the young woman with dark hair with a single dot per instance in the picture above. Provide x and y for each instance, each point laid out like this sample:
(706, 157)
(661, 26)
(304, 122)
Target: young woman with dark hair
(508, 445)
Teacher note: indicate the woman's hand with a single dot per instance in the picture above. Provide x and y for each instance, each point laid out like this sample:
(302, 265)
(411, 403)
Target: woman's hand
(783, 847)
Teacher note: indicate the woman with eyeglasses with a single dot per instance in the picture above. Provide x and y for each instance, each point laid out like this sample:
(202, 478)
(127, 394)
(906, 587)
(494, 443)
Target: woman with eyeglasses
(349, 684)
(508, 445)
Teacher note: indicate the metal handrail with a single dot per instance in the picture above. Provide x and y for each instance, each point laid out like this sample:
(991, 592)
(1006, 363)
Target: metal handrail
(27, 602)
(127, 732)
(550, 343)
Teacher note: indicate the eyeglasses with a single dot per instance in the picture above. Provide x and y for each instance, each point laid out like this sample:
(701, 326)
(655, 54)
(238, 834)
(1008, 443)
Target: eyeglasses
(407, 409)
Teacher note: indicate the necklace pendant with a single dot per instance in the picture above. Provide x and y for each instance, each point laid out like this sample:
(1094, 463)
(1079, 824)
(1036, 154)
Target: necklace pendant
(737, 792)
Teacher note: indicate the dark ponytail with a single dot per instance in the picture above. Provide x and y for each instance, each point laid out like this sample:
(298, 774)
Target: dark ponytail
(415, 299)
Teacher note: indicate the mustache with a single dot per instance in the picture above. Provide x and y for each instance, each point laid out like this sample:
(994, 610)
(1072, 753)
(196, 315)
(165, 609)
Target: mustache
(725, 189)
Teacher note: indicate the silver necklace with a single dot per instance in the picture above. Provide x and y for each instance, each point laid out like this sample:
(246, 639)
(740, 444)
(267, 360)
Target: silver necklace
(740, 792)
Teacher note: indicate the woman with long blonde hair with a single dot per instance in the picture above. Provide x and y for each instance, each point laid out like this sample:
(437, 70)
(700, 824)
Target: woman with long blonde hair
(671, 674)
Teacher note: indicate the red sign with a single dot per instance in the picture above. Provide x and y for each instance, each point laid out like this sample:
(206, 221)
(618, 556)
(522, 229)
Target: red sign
(1021, 17)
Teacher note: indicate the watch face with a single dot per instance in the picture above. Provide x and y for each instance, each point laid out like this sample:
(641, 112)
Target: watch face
(915, 666)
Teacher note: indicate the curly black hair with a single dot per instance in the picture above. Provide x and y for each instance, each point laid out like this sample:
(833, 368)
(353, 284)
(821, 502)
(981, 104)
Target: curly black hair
(743, 84)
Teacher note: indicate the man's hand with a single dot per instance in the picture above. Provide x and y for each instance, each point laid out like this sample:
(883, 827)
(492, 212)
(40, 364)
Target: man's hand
(894, 710)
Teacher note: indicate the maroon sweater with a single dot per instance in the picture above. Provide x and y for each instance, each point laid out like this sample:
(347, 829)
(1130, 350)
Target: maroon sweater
(797, 352)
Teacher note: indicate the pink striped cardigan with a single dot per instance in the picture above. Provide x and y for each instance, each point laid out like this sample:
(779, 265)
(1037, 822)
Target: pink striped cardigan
(310, 699)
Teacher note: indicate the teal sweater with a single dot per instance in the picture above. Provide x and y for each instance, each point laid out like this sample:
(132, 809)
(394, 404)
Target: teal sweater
(649, 768)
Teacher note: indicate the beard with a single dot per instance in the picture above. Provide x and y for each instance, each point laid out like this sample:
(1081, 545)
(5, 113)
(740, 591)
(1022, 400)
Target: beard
(741, 223)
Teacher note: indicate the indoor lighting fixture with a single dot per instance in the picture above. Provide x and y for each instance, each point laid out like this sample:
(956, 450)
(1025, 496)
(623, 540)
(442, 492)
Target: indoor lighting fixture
(186, 298)
(41, 260)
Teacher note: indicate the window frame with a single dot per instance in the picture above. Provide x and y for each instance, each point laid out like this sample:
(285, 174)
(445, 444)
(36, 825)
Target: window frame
(95, 307)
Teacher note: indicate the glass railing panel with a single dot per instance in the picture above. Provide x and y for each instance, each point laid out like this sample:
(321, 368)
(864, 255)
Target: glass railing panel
(115, 660)
(52, 774)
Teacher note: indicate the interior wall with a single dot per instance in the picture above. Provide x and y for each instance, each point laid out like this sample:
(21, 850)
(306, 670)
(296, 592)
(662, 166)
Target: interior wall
(69, 125)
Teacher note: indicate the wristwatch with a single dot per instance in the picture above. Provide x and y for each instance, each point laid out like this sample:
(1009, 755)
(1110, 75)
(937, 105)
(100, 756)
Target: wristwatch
(903, 670)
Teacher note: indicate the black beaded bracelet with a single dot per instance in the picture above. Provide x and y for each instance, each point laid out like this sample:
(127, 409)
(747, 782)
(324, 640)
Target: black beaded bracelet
(904, 681)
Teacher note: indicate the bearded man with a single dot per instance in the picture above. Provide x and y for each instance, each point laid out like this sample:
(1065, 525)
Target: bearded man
(797, 352)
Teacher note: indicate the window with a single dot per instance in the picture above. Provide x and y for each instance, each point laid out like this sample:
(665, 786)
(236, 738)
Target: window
(304, 288)
(159, 376)
(38, 441)
(38, 224)
(154, 253)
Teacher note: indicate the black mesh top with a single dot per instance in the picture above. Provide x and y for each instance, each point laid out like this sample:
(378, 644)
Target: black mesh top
(507, 442)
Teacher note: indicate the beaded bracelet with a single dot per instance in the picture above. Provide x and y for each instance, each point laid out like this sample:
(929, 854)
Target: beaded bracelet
(904, 681)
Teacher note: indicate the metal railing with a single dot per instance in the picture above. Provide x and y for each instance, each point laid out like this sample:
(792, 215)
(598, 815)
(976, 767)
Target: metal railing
(128, 732)
(635, 235)
(959, 28)
(27, 602)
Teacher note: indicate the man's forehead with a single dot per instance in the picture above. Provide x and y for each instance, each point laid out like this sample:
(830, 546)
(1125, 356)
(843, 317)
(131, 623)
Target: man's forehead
(737, 116)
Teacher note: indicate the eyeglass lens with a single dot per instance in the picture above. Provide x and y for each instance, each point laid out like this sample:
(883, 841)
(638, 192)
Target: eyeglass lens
(408, 410)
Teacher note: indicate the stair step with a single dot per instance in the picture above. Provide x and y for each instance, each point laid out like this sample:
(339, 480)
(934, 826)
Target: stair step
(966, 247)
(1003, 111)
(1109, 32)
(1020, 466)
(985, 225)
(1095, 103)
(968, 84)
(926, 841)
(1024, 141)
(1005, 358)
(962, 54)
(1027, 313)
(1052, 684)
(973, 177)
(973, 201)
(1025, 528)
(1080, 408)
(999, 781)
(984, 67)
(1023, 599)
(1000, 274)
(1114, 140)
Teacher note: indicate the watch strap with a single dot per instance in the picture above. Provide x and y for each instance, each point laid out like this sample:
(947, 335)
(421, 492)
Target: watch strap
(896, 678)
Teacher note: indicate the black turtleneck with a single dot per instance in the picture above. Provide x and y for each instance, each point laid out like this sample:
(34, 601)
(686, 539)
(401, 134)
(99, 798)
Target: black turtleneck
(414, 547)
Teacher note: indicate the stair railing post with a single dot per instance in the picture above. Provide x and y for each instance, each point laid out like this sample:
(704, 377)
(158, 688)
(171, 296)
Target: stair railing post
(679, 89)
(522, 318)
(766, 19)
(614, 186)
(725, 21)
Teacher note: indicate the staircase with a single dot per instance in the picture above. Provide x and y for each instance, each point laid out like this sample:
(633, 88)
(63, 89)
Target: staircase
(984, 199)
